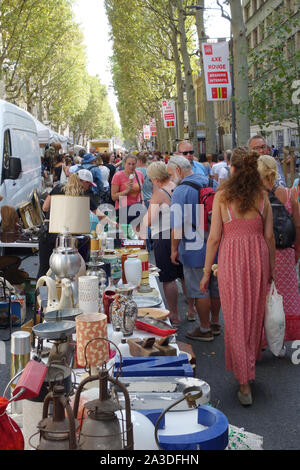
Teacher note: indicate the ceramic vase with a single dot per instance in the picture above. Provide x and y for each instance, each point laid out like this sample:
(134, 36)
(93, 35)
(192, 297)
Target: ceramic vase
(88, 294)
(123, 311)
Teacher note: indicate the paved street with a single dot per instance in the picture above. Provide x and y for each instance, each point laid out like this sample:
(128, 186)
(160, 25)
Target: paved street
(275, 412)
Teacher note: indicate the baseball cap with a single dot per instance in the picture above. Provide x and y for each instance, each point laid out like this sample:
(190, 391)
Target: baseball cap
(86, 175)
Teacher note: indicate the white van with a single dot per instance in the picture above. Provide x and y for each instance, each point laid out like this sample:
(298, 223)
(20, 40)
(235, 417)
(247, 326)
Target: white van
(20, 157)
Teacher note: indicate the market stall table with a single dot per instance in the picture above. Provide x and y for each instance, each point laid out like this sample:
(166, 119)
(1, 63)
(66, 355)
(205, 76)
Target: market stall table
(17, 245)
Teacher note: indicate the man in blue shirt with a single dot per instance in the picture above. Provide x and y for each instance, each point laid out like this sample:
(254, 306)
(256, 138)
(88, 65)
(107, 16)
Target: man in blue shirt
(188, 245)
(186, 149)
(89, 163)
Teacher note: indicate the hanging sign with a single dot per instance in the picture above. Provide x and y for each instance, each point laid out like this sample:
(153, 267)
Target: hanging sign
(169, 113)
(153, 129)
(217, 70)
(147, 133)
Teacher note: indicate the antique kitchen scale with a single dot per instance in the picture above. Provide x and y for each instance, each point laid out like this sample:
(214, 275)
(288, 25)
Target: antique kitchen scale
(57, 330)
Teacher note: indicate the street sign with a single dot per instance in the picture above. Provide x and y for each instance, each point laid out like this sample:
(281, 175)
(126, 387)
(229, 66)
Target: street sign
(169, 113)
(153, 130)
(147, 133)
(217, 71)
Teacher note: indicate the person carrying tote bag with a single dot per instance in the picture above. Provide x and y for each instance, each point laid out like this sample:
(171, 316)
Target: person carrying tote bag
(274, 323)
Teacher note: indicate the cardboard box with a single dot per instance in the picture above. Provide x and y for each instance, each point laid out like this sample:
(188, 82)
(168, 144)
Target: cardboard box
(18, 309)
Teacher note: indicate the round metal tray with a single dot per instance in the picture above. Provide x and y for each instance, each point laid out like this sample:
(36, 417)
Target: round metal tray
(144, 301)
(54, 330)
(63, 314)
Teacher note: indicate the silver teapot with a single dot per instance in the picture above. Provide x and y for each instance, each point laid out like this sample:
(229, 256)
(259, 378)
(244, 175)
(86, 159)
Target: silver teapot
(65, 260)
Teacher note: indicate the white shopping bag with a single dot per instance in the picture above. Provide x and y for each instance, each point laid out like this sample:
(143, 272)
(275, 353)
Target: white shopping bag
(63, 177)
(274, 321)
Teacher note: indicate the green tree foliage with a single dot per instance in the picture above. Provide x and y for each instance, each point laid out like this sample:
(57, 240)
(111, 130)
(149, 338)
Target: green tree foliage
(96, 119)
(275, 64)
(43, 63)
(143, 62)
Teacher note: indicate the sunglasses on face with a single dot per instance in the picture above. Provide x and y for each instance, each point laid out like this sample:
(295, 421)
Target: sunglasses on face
(191, 152)
(260, 147)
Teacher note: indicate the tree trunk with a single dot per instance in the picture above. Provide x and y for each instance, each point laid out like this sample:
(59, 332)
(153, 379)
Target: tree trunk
(240, 72)
(188, 78)
(210, 123)
(179, 88)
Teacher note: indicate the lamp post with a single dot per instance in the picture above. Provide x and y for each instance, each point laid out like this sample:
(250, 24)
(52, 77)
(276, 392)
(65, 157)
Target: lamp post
(233, 113)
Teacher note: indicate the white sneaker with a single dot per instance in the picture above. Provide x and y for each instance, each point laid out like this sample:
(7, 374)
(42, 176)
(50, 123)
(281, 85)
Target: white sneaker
(282, 352)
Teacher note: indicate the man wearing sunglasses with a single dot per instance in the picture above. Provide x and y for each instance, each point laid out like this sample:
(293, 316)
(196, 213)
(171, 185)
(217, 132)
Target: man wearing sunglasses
(185, 148)
(259, 145)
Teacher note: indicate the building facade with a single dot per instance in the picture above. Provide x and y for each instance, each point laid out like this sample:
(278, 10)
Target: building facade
(259, 16)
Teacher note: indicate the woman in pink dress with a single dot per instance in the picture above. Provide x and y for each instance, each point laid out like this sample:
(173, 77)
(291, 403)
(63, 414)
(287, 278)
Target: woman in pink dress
(286, 281)
(242, 229)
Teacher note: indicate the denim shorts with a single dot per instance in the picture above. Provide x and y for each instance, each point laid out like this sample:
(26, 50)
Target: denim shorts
(192, 278)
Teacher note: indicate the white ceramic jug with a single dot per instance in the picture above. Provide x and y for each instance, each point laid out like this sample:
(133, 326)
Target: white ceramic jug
(133, 270)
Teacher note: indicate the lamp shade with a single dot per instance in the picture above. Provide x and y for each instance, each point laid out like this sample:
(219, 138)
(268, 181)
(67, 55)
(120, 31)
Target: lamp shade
(90, 326)
(69, 212)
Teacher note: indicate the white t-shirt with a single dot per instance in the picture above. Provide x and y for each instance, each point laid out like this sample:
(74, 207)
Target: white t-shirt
(224, 173)
(217, 168)
(105, 175)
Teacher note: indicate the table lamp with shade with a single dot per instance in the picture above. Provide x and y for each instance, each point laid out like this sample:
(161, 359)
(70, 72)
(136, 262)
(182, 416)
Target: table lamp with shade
(69, 216)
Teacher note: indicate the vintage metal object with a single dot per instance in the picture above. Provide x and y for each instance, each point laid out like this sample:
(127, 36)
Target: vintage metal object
(65, 260)
(54, 330)
(100, 428)
(57, 432)
(63, 314)
(144, 301)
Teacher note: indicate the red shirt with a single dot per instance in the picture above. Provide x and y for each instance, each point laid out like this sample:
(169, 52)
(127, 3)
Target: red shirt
(120, 179)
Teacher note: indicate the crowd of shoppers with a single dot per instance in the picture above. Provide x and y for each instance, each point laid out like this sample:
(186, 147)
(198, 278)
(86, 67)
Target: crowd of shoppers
(159, 195)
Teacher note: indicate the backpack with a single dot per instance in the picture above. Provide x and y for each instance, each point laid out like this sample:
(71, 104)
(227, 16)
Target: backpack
(206, 197)
(81, 167)
(283, 225)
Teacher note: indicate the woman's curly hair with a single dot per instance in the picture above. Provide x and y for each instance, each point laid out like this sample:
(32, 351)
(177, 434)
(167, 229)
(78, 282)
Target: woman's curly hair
(244, 186)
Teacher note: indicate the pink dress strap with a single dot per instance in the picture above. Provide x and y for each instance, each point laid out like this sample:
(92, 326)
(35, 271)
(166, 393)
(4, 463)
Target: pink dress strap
(230, 213)
(262, 206)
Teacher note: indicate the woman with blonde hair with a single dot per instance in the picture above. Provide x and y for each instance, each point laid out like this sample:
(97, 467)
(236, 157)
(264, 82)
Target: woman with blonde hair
(78, 184)
(242, 230)
(286, 259)
(158, 218)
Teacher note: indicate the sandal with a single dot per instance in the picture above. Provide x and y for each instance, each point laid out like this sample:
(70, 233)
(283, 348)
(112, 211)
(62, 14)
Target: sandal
(200, 336)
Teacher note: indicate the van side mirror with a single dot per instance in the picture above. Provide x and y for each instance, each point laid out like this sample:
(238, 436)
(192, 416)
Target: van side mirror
(14, 169)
